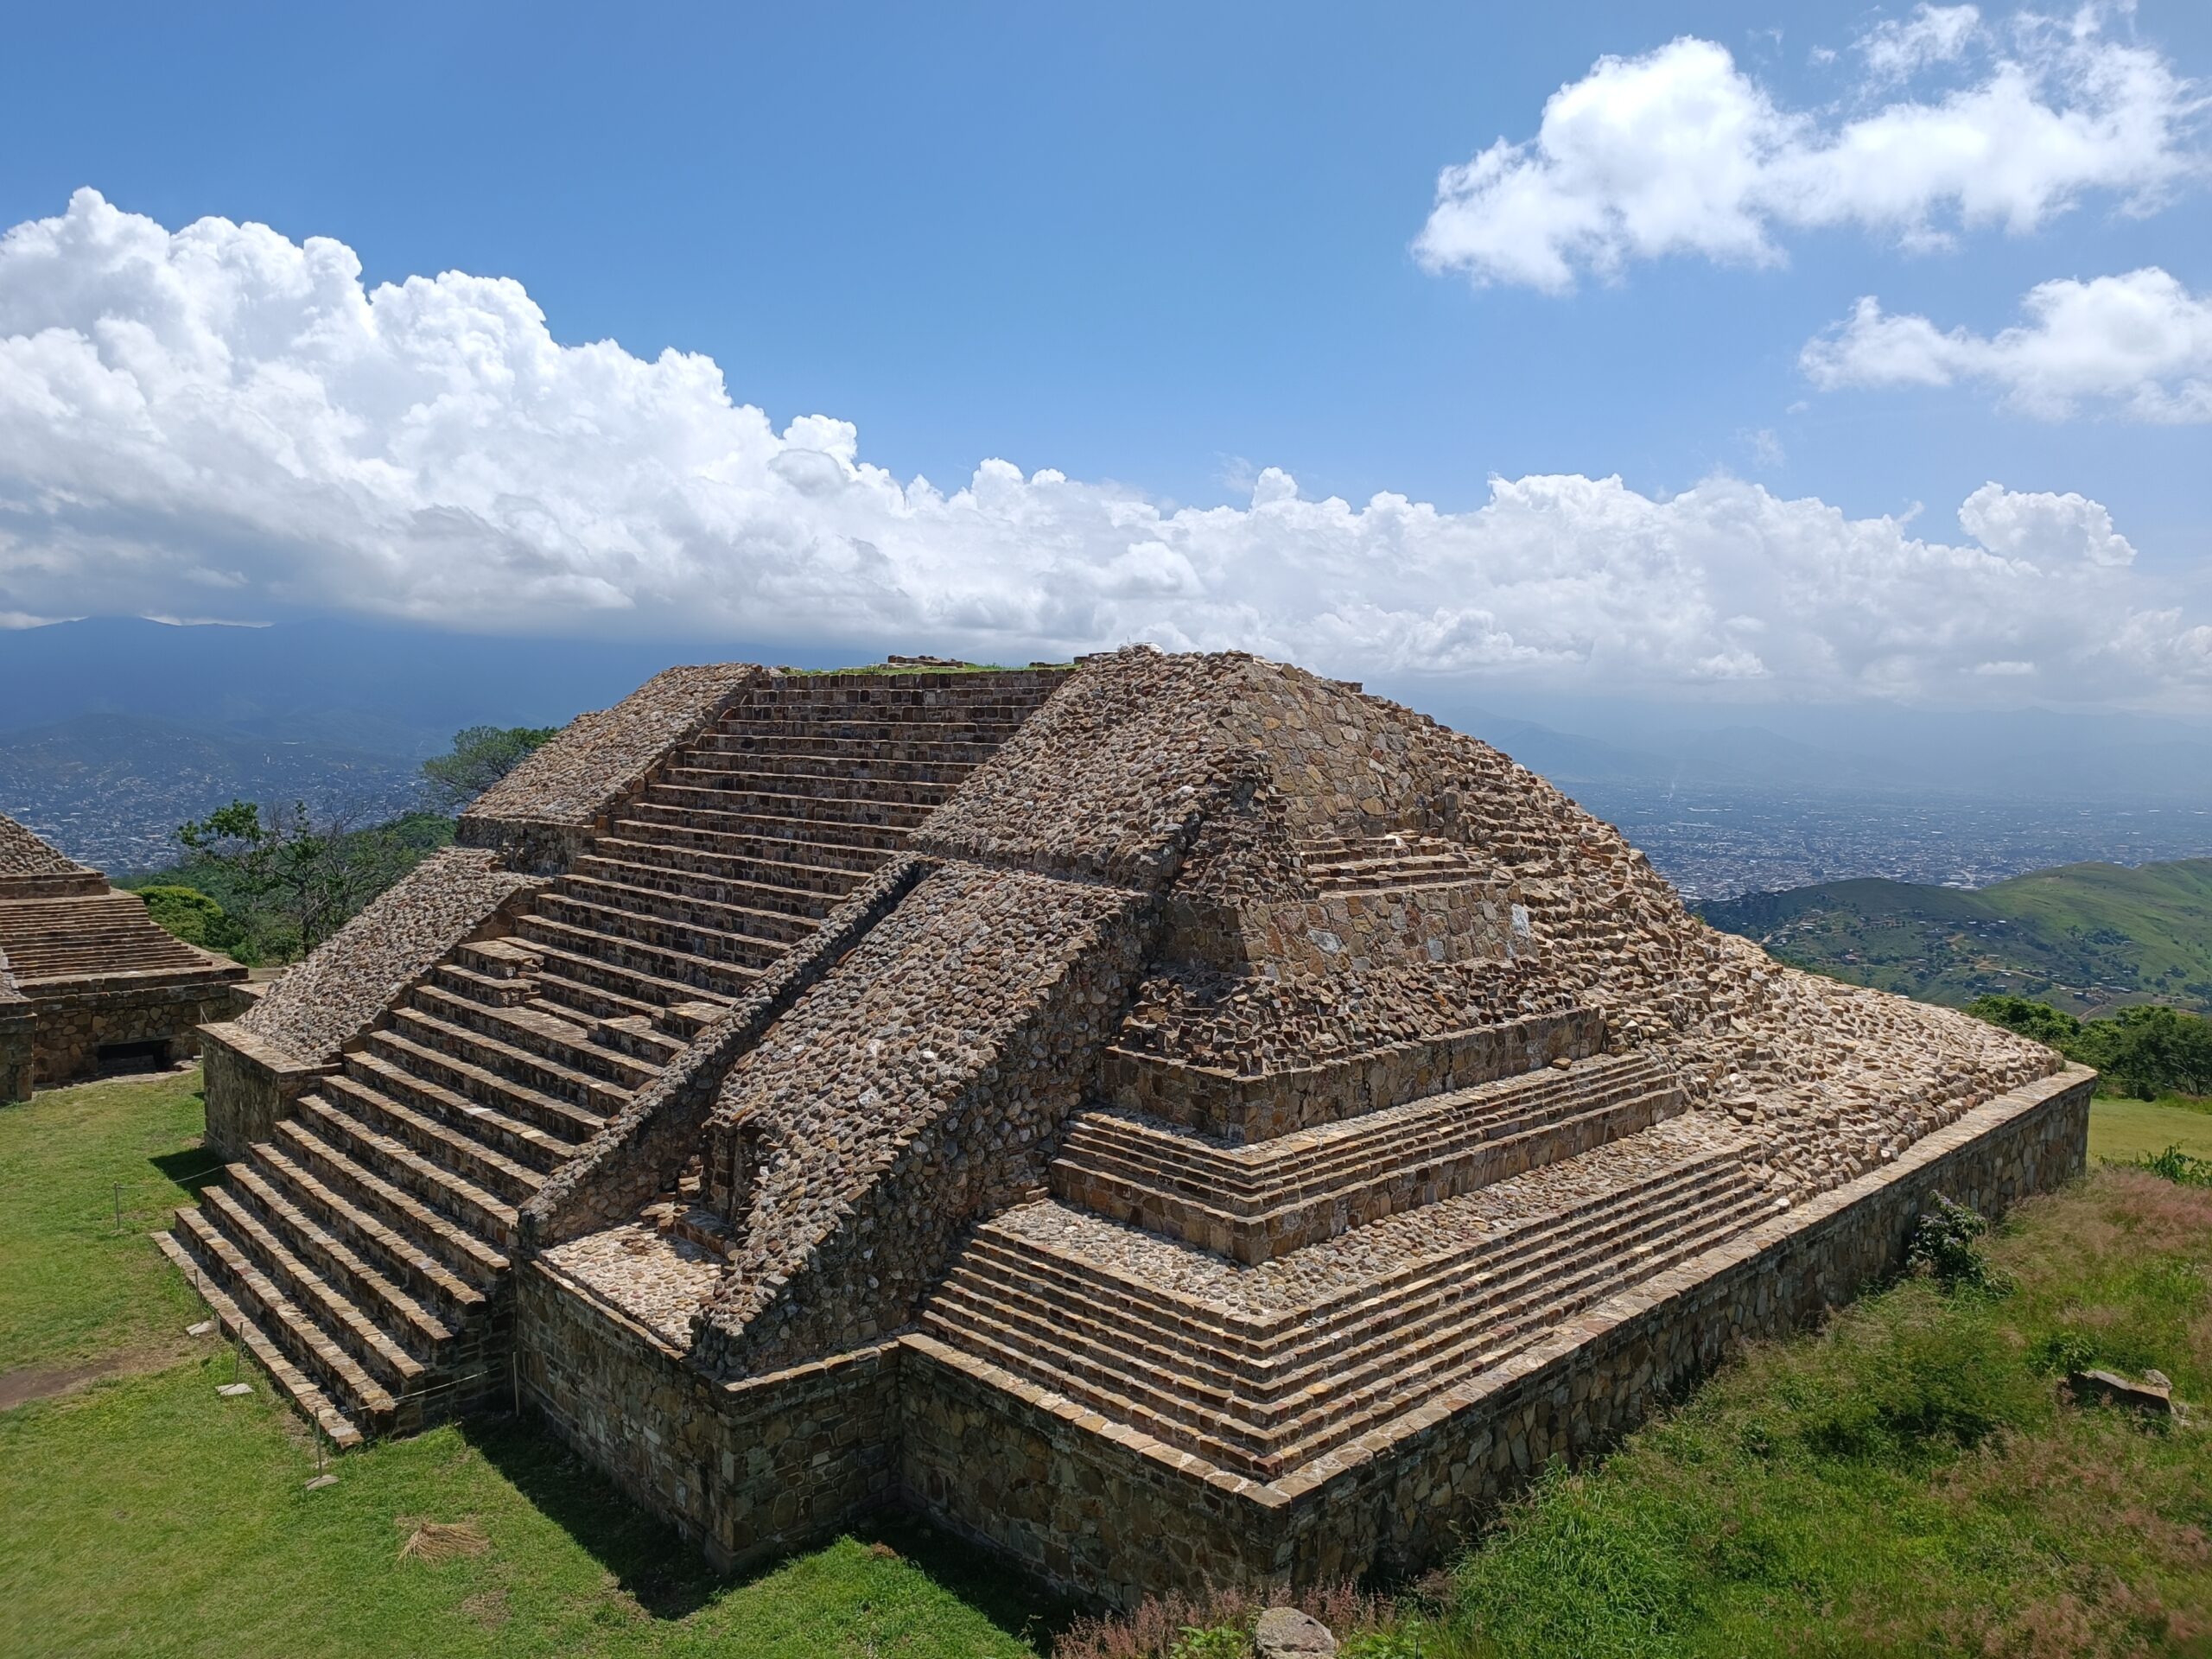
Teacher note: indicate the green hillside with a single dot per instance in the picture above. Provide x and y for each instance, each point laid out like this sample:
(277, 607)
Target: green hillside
(2085, 938)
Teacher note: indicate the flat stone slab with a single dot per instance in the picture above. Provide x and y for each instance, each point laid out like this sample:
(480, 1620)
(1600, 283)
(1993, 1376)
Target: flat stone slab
(1286, 1633)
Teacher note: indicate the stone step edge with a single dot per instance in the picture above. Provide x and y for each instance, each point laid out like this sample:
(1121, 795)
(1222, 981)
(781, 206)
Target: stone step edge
(305, 1396)
(286, 1176)
(487, 1258)
(1270, 1328)
(1280, 1446)
(1265, 1165)
(1361, 1326)
(1255, 1233)
(1362, 1350)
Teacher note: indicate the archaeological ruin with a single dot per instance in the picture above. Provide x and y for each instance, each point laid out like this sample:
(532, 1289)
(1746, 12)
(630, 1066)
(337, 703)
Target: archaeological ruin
(1172, 1118)
(87, 982)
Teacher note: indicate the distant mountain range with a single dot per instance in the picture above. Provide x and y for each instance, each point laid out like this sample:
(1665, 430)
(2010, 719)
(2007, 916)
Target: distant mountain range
(2085, 938)
(1773, 797)
(111, 788)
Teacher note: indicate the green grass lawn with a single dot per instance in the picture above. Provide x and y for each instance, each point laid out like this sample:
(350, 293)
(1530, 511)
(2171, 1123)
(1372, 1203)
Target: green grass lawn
(143, 1514)
(1909, 1481)
(2123, 1130)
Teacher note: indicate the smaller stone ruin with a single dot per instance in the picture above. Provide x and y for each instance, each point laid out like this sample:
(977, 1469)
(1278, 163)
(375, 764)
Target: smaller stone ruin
(88, 983)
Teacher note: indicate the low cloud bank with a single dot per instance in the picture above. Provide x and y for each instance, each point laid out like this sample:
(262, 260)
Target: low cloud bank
(217, 422)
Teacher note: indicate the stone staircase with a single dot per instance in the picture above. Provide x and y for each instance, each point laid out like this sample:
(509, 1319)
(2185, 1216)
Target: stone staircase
(1253, 1203)
(1343, 864)
(360, 1254)
(72, 938)
(1261, 1383)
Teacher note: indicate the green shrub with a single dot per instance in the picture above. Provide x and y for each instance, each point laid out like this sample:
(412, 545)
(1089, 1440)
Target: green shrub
(2177, 1165)
(1944, 1248)
(193, 917)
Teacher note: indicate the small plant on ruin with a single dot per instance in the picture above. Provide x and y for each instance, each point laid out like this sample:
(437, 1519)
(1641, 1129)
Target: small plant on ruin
(1945, 1249)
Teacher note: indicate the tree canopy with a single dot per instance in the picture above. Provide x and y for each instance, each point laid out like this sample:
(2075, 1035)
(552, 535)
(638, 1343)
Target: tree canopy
(2145, 1052)
(481, 755)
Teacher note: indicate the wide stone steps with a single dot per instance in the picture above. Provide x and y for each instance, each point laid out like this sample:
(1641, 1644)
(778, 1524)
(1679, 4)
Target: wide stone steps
(477, 1063)
(531, 1025)
(459, 1156)
(460, 1255)
(695, 875)
(361, 1253)
(331, 1307)
(631, 929)
(455, 1113)
(711, 810)
(808, 747)
(306, 1396)
(825, 791)
(307, 1344)
(616, 964)
(78, 957)
(680, 832)
(394, 1269)
(687, 908)
(1255, 1201)
(901, 733)
(769, 868)
(800, 769)
(462, 1202)
(612, 990)
(1193, 1378)
(722, 792)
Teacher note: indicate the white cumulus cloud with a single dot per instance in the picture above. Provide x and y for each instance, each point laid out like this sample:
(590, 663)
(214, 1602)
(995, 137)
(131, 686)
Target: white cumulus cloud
(2138, 345)
(1679, 152)
(218, 420)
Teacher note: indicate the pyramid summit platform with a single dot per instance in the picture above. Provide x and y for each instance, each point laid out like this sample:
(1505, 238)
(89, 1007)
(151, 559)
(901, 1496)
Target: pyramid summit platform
(1171, 1118)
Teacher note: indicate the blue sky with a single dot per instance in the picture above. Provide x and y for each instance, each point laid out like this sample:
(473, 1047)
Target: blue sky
(1151, 250)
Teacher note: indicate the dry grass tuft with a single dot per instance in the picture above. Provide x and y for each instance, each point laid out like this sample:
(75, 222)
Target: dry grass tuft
(1157, 1624)
(433, 1541)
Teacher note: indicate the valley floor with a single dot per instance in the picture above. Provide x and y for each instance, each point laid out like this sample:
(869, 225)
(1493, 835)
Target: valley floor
(1908, 1481)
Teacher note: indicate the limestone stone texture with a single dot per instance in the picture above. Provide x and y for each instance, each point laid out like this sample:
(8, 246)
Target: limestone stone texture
(87, 981)
(1174, 1118)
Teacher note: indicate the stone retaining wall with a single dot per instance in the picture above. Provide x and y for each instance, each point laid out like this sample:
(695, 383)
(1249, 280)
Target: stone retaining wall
(1239, 1109)
(1116, 1516)
(15, 1040)
(744, 1470)
(751, 1468)
(250, 1085)
(73, 1027)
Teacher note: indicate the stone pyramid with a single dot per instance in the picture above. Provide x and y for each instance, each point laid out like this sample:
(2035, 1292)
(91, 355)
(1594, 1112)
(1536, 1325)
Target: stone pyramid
(1176, 1118)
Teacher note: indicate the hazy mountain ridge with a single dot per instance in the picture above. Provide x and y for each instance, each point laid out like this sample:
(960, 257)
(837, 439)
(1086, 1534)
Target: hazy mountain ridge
(2086, 938)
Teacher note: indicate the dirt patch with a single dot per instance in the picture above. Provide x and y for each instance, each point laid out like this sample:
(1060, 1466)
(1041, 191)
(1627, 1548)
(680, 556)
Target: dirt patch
(30, 1383)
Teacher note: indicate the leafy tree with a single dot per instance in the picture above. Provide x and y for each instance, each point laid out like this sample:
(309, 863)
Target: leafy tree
(2031, 1019)
(288, 881)
(2146, 1051)
(481, 756)
(2150, 1051)
(193, 917)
